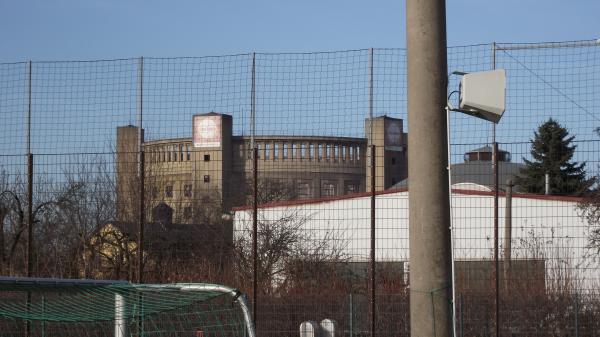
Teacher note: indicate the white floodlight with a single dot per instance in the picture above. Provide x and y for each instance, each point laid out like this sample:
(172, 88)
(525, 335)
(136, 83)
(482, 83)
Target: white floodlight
(483, 94)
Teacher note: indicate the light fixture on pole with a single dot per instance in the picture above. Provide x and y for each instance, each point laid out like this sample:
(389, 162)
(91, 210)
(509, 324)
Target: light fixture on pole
(482, 95)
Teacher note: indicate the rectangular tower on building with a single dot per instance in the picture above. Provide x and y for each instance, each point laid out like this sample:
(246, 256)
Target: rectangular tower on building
(391, 156)
(211, 158)
(128, 146)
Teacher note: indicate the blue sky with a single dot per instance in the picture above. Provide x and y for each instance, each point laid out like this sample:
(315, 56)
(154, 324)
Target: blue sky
(105, 29)
(97, 97)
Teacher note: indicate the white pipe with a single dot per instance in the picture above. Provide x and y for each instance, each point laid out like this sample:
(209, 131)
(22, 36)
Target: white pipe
(121, 322)
(451, 227)
(239, 298)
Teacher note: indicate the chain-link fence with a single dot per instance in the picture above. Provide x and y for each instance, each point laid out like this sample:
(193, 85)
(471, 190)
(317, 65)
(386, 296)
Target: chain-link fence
(285, 174)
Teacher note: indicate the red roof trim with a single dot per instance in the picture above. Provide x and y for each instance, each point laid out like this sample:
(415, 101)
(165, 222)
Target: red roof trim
(401, 190)
(319, 200)
(522, 195)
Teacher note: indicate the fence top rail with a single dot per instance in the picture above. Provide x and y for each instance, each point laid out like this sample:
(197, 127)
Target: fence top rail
(548, 45)
(499, 46)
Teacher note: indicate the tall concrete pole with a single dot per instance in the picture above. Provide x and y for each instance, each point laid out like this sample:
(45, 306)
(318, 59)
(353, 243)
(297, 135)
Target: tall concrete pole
(430, 254)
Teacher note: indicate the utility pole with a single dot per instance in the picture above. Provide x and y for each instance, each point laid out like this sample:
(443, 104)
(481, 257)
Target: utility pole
(429, 207)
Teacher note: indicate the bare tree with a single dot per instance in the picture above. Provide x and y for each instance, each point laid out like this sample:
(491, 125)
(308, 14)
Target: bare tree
(93, 206)
(12, 219)
(13, 202)
(589, 208)
(283, 246)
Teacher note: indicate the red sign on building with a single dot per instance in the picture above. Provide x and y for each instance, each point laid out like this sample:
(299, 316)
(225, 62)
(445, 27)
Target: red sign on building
(206, 131)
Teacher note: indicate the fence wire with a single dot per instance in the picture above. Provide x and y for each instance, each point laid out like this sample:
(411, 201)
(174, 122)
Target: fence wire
(144, 169)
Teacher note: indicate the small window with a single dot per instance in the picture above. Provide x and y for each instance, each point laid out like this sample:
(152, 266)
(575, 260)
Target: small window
(187, 190)
(303, 189)
(276, 151)
(188, 154)
(207, 157)
(187, 212)
(169, 191)
(327, 188)
(267, 151)
(206, 178)
(350, 187)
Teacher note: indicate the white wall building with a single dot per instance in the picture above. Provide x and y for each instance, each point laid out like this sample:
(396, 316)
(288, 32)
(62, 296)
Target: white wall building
(546, 227)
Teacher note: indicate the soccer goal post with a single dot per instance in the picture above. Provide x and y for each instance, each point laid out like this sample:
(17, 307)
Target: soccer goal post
(33, 307)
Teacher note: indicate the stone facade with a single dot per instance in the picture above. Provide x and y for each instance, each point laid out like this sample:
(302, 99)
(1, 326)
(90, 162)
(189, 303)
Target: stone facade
(214, 167)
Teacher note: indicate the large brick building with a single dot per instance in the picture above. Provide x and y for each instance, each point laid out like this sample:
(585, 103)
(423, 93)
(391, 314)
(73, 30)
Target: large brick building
(214, 166)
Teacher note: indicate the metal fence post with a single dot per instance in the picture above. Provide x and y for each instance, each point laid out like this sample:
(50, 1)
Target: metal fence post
(141, 169)
(141, 217)
(496, 214)
(462, 315)
(254, 233)
(351, 324)
(373, 171)
(576, 316)
(30, 221)
(43, 328)
(254, 192)
(507, 234)
(496, 258)
(142, 187)
(373, 264)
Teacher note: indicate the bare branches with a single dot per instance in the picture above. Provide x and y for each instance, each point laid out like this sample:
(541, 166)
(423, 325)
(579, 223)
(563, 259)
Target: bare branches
(284, 248)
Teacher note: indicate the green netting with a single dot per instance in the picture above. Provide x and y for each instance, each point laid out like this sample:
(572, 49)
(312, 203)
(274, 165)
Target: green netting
(34, 307)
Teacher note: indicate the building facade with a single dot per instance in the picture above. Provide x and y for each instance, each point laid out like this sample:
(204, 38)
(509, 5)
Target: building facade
(213, 169)
(548, 236)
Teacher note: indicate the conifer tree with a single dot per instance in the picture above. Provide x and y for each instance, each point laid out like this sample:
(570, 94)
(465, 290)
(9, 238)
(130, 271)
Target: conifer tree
(552, 150)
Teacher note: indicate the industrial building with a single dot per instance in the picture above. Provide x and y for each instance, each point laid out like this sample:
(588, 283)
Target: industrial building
(547, 234)
(212, 169)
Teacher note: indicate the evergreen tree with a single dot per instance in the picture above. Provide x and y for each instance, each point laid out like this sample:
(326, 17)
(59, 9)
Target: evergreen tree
(552, 151)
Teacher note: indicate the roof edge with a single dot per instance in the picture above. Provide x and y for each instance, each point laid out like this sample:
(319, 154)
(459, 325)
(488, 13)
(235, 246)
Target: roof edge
(314, 201)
